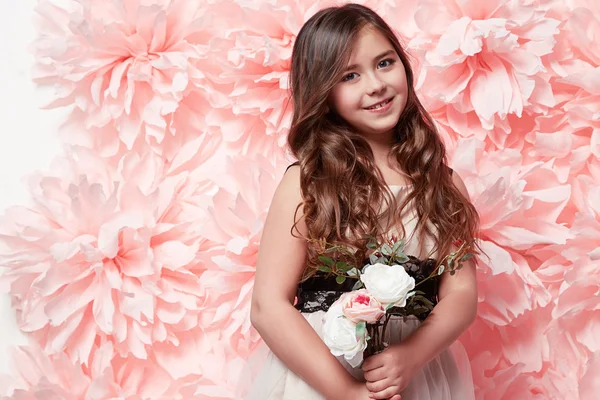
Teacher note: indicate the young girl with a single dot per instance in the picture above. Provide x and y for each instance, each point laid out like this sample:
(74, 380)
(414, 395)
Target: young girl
(370, 161)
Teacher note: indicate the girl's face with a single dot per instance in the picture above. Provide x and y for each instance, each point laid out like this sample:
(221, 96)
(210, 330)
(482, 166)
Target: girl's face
(375, 77)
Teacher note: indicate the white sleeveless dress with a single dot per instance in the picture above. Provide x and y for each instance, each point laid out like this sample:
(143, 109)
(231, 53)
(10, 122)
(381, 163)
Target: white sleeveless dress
(446, 377)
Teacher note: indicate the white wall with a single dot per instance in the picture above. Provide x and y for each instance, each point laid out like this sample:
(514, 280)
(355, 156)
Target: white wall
(28, 139)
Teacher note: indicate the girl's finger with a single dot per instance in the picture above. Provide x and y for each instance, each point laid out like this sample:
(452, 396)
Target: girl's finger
(384, 394)
(396, 397)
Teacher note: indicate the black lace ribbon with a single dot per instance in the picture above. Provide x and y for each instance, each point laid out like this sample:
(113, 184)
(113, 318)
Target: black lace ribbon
(320, 291)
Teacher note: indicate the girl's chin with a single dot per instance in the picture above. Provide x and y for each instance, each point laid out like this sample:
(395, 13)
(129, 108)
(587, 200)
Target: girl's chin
(377, 131)
(381, 128)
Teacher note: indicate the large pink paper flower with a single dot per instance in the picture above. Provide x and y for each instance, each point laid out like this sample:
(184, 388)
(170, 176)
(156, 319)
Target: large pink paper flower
(569, 135)
(234, 229)
(483, 62)
(128, 64)
(109, 252)
(571, 273)
(583, 114)
(578, 300)
(194, 117)
(40, 376)
(252, 53)
(577, 49)
(519, 206)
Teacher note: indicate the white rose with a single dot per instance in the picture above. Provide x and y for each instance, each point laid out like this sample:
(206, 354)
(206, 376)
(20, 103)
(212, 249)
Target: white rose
(390, 284)
(339, 334)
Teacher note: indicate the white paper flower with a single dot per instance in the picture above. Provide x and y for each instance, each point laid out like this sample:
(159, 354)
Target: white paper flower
(340, 335)
(390, 284)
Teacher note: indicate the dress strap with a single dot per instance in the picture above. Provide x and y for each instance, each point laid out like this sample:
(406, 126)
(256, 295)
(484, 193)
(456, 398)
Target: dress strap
(296, 163)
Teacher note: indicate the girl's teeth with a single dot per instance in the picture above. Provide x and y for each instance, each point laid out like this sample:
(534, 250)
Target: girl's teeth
(379, 106)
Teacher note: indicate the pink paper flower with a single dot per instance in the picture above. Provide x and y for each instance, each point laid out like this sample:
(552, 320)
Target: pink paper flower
(519, 206)
(108, 253)
(127, 64)
(483, 62)
(252, 52)
(359, 306)
(41, 376)
(233, 230)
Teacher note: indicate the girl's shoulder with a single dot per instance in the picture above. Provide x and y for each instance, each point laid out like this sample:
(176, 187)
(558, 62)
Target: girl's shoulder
(291, 165)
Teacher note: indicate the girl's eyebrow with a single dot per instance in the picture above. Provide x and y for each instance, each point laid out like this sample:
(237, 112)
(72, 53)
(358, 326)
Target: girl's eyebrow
(385, 53)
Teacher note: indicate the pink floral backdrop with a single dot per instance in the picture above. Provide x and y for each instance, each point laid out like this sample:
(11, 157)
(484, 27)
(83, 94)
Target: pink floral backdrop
(132, 272)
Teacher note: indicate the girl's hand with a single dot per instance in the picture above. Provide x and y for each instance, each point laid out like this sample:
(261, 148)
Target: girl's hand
(389, 372)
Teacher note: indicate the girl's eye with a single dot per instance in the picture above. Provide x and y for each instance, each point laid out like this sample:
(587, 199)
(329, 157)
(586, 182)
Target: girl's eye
(382, 64)
(389, 62)
(348, 77)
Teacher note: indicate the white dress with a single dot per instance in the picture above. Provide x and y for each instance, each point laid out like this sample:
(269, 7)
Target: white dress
(446, 377)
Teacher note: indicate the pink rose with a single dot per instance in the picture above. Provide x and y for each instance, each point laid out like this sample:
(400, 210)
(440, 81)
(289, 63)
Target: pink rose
(360, 306)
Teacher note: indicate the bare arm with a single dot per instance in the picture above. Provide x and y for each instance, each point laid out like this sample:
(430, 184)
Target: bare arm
(281, 260)
(455, 311)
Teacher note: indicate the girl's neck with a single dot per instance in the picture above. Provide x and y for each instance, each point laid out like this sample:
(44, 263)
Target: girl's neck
(381, 145)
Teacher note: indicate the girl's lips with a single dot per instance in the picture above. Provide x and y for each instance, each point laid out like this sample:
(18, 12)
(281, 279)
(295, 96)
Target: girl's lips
(382, 101)
(383, 109)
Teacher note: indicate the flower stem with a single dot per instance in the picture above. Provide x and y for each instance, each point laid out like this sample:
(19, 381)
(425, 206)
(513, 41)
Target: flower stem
(385, 324)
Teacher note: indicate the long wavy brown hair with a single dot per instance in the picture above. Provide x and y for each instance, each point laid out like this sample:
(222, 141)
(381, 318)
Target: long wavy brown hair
(340, 182)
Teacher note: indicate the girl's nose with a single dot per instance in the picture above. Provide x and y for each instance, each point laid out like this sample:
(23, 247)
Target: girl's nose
(375, 85)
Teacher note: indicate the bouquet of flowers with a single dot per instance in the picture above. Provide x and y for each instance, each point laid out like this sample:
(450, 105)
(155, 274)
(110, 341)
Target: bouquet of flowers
(355, 325)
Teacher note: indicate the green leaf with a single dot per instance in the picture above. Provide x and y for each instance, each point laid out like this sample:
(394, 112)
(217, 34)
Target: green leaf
(343, 266)
(324, 269)
(401, 258)
(372, 245)
(357, 285)
(361, 329)
(353, 272)
(421, 298)
(441, 269)
(390, 306)
(466, 257)
(398, 246)
(327, 261)
(386, 250)
(340, 279)
(451, 264)
(373, 258)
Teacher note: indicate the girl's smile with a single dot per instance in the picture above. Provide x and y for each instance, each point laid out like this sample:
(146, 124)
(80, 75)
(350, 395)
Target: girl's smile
(381, 107)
